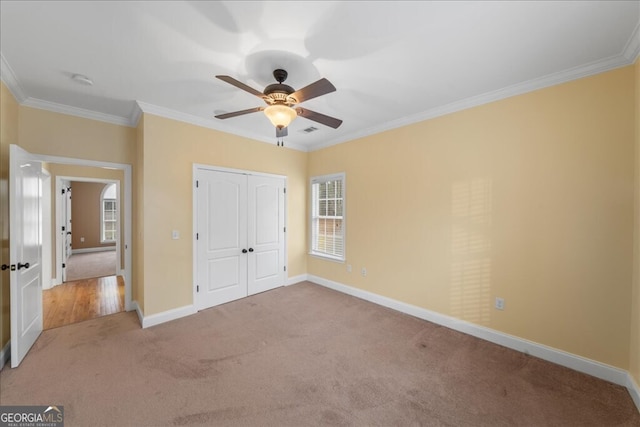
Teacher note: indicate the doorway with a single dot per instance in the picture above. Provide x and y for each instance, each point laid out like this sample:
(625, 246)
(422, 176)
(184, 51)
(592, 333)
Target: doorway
(33, 312)
(89, 279)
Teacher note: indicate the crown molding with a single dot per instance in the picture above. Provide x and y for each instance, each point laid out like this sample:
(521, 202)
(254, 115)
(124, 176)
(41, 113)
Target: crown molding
(136, 113)
(205, 123)
(593, 68)
(8, 77)
(632, 50)
(75, 111)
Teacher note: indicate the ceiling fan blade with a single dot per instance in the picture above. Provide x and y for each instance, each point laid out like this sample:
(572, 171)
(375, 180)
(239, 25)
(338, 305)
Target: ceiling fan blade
(238, 113)
(321, 87)
(318, 117)
(281, 133)
(241, 85)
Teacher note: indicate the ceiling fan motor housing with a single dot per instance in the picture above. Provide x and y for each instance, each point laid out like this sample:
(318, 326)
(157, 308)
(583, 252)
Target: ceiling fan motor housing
(278, 93)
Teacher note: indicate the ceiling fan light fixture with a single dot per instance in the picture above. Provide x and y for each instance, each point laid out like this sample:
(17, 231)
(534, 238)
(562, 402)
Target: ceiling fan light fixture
(280, 115)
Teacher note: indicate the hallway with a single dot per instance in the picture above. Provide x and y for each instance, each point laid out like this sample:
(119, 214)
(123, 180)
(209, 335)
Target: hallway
(81, 300)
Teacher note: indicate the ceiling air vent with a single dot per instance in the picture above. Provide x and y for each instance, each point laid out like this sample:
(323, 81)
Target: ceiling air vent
(309, 129)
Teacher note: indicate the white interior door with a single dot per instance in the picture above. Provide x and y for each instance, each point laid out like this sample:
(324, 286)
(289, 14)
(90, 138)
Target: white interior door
(221, 237)
(265, 233)
(25, 251)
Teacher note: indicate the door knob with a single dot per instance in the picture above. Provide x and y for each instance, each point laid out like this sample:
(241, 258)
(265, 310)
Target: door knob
(244, 251)
(25, 265)
(250, 249)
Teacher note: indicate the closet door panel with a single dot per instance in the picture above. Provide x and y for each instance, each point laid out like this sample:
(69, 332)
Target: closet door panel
(266, 233)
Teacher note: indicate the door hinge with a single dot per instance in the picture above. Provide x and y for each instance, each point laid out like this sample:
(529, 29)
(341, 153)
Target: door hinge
(285, 268)
(285, 190)
(197, 288)
(197, 183)
(197, 236)
(64, 191)
(63, 229)
(285, 229)
(64, 265)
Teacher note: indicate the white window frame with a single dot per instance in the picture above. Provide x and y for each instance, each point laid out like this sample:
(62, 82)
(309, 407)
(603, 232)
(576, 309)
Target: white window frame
(102, 220)
(312, 209)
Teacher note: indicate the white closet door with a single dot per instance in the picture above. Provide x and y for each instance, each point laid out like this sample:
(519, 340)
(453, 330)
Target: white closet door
(222, 237)
(265, 233)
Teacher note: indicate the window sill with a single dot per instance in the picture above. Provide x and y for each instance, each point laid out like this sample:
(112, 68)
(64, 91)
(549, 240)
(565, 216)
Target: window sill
(327, 257)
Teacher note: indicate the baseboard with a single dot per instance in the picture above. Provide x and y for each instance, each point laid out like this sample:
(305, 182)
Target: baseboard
(98, 249)
(165, 316)
(634, 390)
(136, 307)
(5, 354)
(296, 279)
(569, 360)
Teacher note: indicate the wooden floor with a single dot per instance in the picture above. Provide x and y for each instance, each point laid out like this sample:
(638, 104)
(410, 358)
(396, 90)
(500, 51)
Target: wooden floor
(82, 300)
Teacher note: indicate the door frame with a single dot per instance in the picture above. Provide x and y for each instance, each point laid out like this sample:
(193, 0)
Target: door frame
(60, 241)
(124, 194)
(194, 172)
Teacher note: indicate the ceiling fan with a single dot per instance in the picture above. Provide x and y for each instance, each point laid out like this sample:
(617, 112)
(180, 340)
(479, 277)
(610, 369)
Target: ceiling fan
(281, 99)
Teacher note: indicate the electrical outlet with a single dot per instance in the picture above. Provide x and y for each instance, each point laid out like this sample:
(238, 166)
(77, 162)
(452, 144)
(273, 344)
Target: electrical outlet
(349, 268)
(499, 303)
(175, 234)
(364, 272)
(82, 239)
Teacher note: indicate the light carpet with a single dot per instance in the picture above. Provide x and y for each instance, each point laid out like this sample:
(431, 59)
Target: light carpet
(89, 265)
(302, 355)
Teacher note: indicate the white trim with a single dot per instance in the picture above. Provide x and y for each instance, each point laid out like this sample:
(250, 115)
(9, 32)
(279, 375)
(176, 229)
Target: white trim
(197, 166)
(128, 218)
(99, 249)
(634, 390)
(75, 111)
(319, 179)
(135, 306)
(559, 357)
(166, 316)
(5, 354)
(632, 49)
(9, 78)
(136, 113)
(296, 279)
(571, 74)
(47, 230)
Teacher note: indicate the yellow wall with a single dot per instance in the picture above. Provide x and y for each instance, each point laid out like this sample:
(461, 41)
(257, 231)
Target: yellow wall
(529, 199)
(635, 301)
(170, 150)
(44, 132)
(9, 112)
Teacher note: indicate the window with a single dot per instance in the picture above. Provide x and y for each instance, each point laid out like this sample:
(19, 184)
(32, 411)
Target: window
(109, 214)
(327, 216)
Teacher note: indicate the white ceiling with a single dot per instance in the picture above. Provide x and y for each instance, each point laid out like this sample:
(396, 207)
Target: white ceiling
(393, 63)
